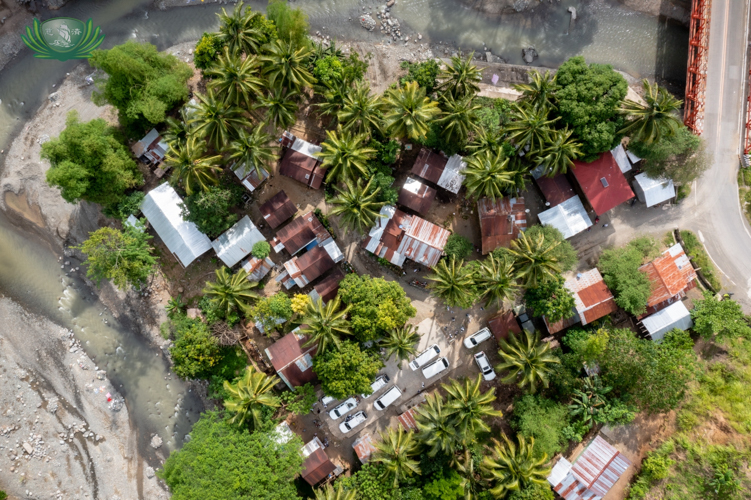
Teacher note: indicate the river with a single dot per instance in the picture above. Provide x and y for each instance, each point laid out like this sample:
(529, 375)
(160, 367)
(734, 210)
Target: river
(604, 32)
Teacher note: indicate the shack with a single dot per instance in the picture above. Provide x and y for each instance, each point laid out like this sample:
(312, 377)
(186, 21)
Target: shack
(237, 242)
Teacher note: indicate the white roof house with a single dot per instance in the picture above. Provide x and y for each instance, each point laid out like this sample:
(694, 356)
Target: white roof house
(621, 158)
(569, 217)
(674, 316)
(161, 207)
(653, 191)
(237, 242)
(306, 148)
(451, 178)
(634, 159)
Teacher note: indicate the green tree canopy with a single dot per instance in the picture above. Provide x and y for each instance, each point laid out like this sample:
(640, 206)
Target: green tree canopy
(620, 270)
(377, 306)
(270, 311)
(291, 24)
(195, 350)
(542, 419)
(121, 256)
(681, 157)
(223, 461)
(551, 299)
(458, 246)
(346, 371)
(371, 483)
(720, 318)
(588, 99)
(89, 162)
(142, 83)
(210, 209)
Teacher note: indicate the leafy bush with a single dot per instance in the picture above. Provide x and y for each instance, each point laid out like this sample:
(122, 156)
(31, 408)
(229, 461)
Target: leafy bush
(301, 400)
(387, 194)
(681, 157)
(329, 71)
(551, 299)
(195, 351)
(458, 246)
(586, 345)
(231, 365)
(207, 50)
(130, 205)
(532, 492)
(719, 318)
(271, 311)
(542, 419)
(261, 250)
(434, 139)
(620, 271)
(700, 259)
(424, 73)
(386, 152)
(346, 371)
(492, 114)
(291, 24)
(447, 485)
(371, 483)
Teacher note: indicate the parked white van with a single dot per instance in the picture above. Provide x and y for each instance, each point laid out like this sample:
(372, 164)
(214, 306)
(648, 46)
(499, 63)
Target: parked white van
(475, 339)
(435, 367)
(379, 383)
(425, 356)
(388, 397)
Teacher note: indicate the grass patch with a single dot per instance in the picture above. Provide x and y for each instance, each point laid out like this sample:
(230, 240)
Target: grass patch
(694, 248)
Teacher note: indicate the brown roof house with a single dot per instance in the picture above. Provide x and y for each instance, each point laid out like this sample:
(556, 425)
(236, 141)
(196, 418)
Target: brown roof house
(398, 236)
(316, 465)
(501, 220)
(556, 189)
(277, 209)
(249, 176)
(591, 475)
(328, 287)
(593, 300)
(299, 161)
(303, 232)
(364, 447)
(672, 275)
(293, 361)
(302, 270)
(503, 324)
(416, 196)
(441, 171)
(151, 149)
(256, 268)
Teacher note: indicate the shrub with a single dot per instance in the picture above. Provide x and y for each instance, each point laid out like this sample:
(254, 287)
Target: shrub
(271, 311)
(195, 351)
(532, 492)
(129, 205)
(301, 400)
(551, 299)
(700, 259)
(261, 250)
(542, 419)
(230, 366)
(207, 51)
(291, 24)
(424, 73)
(329, 71)
(458, 246)
(620, 271)
(492, 114)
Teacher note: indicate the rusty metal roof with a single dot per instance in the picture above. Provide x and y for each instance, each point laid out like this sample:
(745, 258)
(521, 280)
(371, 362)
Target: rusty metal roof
(311, 265)
(407, 419)
(556, 189)
(329, 287)
(317, 465)
(501, 220)
(603, 183)
(299, 233)
(302, 168)
(277, 209)
(592, 297)
(502, 324)
(416, 196)
(364, 447)
(671, 274)
(256, 268)
(429, 165)
(290, 358)
(152, 146)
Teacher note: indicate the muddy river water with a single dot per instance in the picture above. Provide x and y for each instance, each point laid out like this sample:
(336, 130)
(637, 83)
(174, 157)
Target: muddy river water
(604, 31)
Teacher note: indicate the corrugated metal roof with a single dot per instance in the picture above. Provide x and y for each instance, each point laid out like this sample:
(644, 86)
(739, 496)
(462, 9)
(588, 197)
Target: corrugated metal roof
(653, 191)
(416, 196)
(451, 177)
(306, 148)
(364, 447)
(621, 158)
(501, 325)
(424, 242)
(249, 176)
(284, 355)
(309, 266)
(671, 274)
(257, 268)
(633, 158)
(606, 195)
(317, 465)
(674, 316)
(407, 419)
(277, 209)
(501, 221)
(329, 287)
(600, 466)
(556, 189)
(299, 233)
(161, 207)
(569, 217)
(237, 242)
(592, 297)
(429, 165)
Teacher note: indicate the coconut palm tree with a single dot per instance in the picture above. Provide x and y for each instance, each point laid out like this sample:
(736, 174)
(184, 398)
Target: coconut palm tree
(457, 120)
(469, 407)
(487, 174)
(249, 395)
(357, 205)
(534, 259)
(344, 156)
(396, 451)
(329, 492)
(435, 426)
(654, 120)
(527, 360)
(453, 283)
(281, 106)
(360, 112)
(496, 280)
(485, 140)
(585, 406)
(539, 94)
(510, 467)
(559, 154)
(215, 120)
(252, 149)
(461, 78)
(467, 467)
(333, 101)
(178, 130)
(190, 167)
(286, 65)
(530, 128)
(231, 291)
(402, 341)
(324, 324)
(236, 80)
(407, 112)
(237, 32)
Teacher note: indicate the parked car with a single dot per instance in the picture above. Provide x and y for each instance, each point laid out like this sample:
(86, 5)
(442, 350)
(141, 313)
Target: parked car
(353, 421)
(435, 367)
(327, 400)
(387, 398)
(343, 409)
(425, 356)
(476, 338)
(482, 361)
(380, 383)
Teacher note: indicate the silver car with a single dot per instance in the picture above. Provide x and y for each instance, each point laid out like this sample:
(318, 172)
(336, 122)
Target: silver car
(353, 421)
(343, 409)
(482, 361)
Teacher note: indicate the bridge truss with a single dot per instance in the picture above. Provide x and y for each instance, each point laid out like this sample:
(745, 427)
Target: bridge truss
(696, 78)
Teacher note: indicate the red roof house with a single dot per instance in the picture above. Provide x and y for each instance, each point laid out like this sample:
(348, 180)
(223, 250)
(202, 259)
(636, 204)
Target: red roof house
(592, 298)
(293, 361)
(501, 220)
(603, 183)
(317, 465)
(407, 419)
(671, 275)
(277, 209)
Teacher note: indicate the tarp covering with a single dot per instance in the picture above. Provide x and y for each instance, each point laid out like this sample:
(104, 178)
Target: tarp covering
(237, 242)
(161, 207)
(674, 316)
(569, 217)
(653, 191)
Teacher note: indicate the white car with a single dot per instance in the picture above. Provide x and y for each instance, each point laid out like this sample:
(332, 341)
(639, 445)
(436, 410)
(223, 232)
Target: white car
(327, 400)
(476, 338)
(354, 421)
(482, 361)
(343, 409)
(380, 383)
(425, 356)
(387, 398)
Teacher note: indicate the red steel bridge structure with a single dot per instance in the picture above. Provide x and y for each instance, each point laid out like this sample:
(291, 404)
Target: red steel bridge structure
(696, 78)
